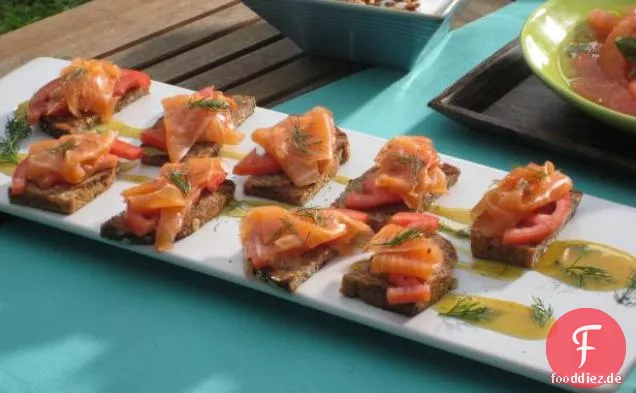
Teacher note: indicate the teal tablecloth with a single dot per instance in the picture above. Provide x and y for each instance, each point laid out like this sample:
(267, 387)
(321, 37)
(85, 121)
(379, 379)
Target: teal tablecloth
(77, 316)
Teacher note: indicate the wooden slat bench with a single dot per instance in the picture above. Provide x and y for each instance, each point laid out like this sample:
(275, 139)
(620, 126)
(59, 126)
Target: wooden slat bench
(190, 43)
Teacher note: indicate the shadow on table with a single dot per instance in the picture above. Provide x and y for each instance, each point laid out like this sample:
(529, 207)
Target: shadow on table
(77, 315)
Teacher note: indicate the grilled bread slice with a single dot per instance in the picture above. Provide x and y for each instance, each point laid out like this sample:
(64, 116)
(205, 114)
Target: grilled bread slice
(380, 216)
(486, 247)
(290, 277)
(371, 288)
(209, 206)
(280, 188)
(65, 199)
(57, 126)
(155, 157)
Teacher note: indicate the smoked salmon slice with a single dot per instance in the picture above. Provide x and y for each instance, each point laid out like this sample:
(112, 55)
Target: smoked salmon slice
(523, 194)
(604, 70)
(272, 234)
(70, 160)
(407, 169)
(303, 145)
(408, 258)
(86, 86)
(205, 116)
(162, 204)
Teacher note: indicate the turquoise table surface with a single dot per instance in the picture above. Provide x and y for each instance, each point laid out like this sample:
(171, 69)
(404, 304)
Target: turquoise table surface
(78, 316)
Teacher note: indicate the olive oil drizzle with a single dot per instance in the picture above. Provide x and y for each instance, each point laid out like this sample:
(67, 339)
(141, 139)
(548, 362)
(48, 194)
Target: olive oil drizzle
(457, 214)
(239, 208)
(123, 129)
(491, 269)
(501, 316)
(587, 265)
(627, 296)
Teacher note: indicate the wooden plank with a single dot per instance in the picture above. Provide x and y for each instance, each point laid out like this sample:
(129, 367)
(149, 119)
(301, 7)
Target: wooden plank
(246, 67)
(475, 9)
(99, 27)
(213, 53)
(185, 37)
(286, 79)
(324, 81)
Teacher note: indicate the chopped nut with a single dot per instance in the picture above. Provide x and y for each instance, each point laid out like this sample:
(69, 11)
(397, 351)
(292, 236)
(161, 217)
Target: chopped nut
(408, 5)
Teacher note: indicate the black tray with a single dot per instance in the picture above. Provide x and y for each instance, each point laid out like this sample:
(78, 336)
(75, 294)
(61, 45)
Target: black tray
(502, 95)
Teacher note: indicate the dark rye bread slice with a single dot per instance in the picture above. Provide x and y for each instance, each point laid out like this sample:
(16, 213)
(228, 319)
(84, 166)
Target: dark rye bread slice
(209, 206)
(155, 157)
(485, 247)
(65, 199)
(379, 216)
(289, 277)
(280, 188)
(59, 126)
(371, 288)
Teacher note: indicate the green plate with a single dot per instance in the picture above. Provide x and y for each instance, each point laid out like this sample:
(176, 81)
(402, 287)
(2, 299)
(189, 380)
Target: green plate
(543, 38)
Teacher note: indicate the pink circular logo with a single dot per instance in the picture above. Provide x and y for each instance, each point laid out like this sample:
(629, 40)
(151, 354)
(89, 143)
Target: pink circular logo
(586, 348)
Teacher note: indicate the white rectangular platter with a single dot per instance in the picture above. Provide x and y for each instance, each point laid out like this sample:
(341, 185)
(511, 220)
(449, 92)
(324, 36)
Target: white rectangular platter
(215, 249)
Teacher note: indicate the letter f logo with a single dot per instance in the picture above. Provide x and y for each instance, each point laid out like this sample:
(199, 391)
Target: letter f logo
(583, 344)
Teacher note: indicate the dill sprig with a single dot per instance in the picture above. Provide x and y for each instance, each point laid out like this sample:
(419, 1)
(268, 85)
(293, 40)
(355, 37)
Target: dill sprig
(181, 180)
(402, 237)
(212, 104)
(540, 313)
(63, 147)
(627, 47)
(77, 73)
(301, 140)
(583, 273)
(314, 214)
(415, 164)
(627, 296)
(17, 130)
(287, 227)
(468, 310)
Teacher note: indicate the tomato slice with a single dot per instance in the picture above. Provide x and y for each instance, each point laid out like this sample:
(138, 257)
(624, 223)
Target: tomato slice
(42, 104)
(257, 165)
(18, 179)
(48, 180)
(412, 294)
(539, 226)
(401, 280)
(207, 91)
(155, 137)
(45, 103)
(139, 224)
(126, 150)
(632, 85)
(424, 221)
(353, 214)
(129, 80)
(370, 197)
(214, 182)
